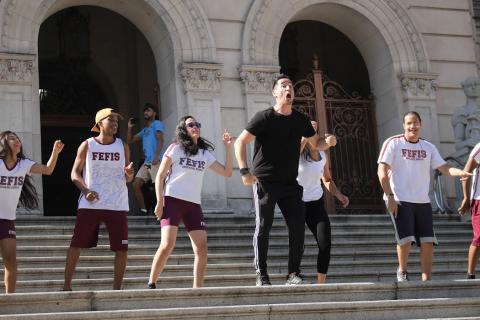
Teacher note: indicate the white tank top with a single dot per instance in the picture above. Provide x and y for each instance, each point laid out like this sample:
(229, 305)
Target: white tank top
(104, 173)
(309, 177)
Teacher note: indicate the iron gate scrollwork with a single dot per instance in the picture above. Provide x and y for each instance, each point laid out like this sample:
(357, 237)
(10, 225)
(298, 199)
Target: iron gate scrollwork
(351, 118)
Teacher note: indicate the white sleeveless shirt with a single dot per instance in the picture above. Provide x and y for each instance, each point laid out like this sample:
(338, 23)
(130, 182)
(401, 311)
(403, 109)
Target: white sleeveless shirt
(310, 173)
(104, 173)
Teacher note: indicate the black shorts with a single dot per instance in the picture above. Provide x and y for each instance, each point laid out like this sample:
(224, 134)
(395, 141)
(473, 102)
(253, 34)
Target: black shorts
(414, 223)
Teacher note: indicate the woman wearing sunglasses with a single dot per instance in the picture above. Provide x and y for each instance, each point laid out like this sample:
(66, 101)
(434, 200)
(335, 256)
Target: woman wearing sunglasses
(178, 187)
(312, 170)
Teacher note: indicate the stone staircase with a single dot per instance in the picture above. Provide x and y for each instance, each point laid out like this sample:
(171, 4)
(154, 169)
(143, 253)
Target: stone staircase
(361, 280)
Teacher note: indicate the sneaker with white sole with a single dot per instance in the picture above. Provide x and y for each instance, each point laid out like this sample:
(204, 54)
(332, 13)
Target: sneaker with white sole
(294, 279)
(402, 276)
(263, 280)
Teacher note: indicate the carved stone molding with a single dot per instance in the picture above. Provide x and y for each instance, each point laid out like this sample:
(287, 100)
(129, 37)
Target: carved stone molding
(258, 79)
(413, 34)
(16, 68)
(419, 85)
(201, 77)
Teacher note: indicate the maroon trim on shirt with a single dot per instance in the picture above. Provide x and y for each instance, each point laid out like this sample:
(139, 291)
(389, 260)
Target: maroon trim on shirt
(386, 144)
(476, 153)
(10, 169)
(105, 144)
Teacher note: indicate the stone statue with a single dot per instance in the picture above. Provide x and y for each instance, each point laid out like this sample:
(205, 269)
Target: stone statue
(466, 122)
(466, 130)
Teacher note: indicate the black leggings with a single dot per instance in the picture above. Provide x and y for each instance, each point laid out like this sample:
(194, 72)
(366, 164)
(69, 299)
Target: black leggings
(317, 221)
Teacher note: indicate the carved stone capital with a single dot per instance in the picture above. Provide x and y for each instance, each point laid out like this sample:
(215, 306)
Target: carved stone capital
(201, 77)
(16, 68)
(258, 79)
(419, 85)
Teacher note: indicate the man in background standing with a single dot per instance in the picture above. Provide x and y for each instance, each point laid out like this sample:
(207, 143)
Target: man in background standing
(152, 140)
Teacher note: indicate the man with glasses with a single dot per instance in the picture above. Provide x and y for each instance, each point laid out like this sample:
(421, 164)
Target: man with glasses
(279, 133)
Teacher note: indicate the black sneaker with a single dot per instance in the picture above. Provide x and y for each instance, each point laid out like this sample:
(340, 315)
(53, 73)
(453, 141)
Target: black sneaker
(470, 276)
(294, 279)
(152, 286)
(263, 280)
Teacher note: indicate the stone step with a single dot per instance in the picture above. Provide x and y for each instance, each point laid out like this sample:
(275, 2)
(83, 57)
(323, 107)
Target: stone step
(351, 300)
(29, 230)
(243, 247)
(212, 217)
(87, 259)
(223, 280)
(234, 238)
(308, 266)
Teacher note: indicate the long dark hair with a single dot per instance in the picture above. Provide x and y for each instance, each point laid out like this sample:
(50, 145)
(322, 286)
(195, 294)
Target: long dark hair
(183, 139)
(28, 197)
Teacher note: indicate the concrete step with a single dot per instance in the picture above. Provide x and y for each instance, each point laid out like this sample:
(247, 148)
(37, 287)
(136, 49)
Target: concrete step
(278, 226)
(227, 280)
(215, 217)
(88, 259)
(351, 300)
(234, 238)
(308, 266)
(243, 247)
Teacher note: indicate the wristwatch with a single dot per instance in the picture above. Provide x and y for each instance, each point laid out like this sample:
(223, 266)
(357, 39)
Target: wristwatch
(244, 171)
(391, 195)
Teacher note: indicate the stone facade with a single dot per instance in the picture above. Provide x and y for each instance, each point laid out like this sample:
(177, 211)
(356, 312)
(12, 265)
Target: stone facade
(216, 60)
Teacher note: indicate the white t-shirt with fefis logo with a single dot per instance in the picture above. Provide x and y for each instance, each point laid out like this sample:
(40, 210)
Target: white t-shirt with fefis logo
(475, 191)
(104, 173)
(410, 165)
(11, 183)
(186, 174)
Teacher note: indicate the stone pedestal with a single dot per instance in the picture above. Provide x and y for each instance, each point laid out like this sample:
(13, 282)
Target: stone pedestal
(19, 107)
(202, 91)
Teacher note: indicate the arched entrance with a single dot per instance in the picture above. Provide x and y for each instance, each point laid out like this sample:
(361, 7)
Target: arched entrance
(89, 57)
(332, 85)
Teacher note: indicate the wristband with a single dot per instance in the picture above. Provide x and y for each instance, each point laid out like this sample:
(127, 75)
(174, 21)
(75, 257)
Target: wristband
(244, 171)
(391, 195)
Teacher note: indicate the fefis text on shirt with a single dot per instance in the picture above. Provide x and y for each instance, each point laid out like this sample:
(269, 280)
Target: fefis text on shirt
(186, 174)
(11, 183)
(410, 167)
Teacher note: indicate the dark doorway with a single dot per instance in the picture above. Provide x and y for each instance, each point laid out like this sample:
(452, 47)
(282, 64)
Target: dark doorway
(346, 106)
(89, 58)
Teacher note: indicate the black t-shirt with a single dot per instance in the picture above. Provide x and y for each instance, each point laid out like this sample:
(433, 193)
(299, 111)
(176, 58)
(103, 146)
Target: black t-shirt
(277, 144)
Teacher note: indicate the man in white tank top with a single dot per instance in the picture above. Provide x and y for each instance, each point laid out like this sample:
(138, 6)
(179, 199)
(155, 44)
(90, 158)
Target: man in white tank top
(101, 170)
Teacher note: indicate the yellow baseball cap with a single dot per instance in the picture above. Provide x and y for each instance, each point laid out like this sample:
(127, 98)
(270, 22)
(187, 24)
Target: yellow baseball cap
(102, 114)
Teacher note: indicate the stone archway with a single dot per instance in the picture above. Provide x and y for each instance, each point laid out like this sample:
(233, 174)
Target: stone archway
(386, 37)
(183, 47)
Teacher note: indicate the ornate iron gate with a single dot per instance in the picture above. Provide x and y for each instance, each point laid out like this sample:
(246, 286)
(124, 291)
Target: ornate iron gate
(351, 119)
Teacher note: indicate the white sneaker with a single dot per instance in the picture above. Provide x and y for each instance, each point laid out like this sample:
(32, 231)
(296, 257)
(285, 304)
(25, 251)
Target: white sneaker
(294, 279)
(402, 276)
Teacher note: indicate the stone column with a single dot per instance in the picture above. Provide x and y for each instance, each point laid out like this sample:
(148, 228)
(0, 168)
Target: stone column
(258, 81)
(19, 107)
(419, 95)
(202, 91)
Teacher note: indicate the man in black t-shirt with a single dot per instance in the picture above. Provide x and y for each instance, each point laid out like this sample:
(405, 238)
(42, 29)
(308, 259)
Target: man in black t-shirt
(279, 133)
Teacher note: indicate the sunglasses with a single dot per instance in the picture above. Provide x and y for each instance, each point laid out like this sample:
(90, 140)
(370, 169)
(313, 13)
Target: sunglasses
(194, 124)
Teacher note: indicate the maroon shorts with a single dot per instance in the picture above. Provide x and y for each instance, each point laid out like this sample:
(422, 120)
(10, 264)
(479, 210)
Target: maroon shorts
(176, 210)
(88, 223)
(7, 229)
(475, 211)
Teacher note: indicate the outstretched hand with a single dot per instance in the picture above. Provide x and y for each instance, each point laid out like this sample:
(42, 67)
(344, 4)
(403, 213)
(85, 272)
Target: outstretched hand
(330, 139)
(227, 139)
(58, 146)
